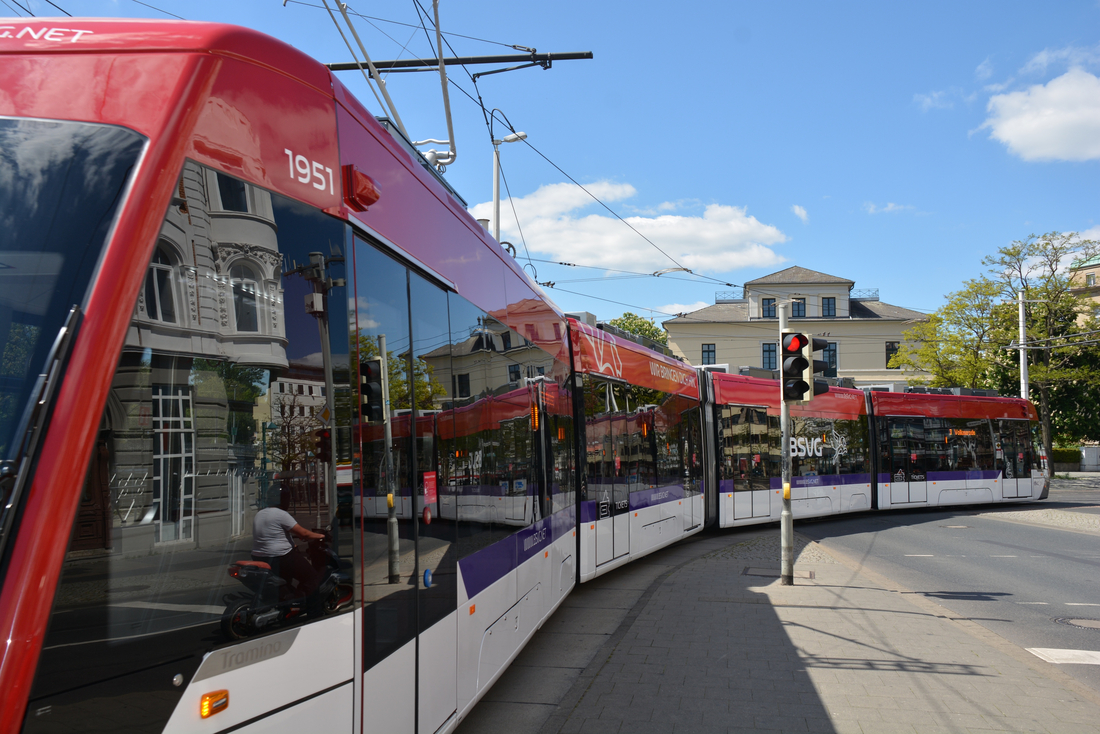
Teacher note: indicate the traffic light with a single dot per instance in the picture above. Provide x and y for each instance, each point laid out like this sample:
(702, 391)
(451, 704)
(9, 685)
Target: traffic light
(799, 367)
(370, 379)
(793, 370)
(814, 366)
(323, 448)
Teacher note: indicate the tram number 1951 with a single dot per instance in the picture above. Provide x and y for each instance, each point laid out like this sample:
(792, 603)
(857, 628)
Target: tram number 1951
(306, 171)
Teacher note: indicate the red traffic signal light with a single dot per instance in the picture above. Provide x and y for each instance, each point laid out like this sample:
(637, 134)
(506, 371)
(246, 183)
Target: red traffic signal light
(793, 372)
(323, 449)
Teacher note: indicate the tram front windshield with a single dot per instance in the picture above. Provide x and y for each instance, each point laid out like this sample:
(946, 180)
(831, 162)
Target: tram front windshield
(61, 185)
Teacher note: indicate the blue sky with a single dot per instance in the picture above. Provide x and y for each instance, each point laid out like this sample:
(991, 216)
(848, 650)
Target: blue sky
(894, 145)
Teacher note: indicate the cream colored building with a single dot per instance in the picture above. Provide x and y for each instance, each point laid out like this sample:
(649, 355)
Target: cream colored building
(1084, 280)
(741, 329)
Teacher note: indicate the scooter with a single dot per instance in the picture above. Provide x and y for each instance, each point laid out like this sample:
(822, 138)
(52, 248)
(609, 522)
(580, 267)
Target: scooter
(271, 602)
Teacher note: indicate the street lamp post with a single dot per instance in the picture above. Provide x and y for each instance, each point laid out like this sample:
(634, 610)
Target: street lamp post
(513, 138)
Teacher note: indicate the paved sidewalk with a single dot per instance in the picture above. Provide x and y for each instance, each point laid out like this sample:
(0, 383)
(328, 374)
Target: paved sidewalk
(701, 637)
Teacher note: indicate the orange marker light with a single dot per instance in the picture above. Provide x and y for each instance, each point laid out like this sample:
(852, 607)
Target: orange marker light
(546, 554)
(473, 607)
(213, 703)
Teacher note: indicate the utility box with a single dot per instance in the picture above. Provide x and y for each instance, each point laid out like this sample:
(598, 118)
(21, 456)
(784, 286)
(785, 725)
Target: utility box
(1090, 458)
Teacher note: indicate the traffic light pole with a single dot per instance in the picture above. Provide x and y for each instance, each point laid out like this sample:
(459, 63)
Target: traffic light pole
(786, 519)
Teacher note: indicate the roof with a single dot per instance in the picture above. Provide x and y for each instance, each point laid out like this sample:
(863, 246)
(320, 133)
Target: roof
(1094, 260)
(724, 313)
(795, 274)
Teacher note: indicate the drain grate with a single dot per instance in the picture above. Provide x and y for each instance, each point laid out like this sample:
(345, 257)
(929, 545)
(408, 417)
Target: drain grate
(1083, 624)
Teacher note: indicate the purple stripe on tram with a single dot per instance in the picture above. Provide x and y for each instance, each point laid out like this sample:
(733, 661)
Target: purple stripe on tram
(589, 512)
(482, 569)
(975, 475)
(822, 480)
(656, 496)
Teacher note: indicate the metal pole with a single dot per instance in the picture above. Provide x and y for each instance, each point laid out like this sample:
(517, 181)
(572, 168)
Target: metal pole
(1024, 391)
(496, 190)
(786, 519)
(387, 464)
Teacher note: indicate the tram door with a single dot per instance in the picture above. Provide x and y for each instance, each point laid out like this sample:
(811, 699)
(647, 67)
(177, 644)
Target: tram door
(613, 493)
(1014, 458)
(748, 446)
(909, 478)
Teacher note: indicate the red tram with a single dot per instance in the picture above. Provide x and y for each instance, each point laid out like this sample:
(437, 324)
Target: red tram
(203, 235)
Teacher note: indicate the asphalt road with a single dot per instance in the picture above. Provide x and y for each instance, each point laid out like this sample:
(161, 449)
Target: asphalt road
(1037, 586)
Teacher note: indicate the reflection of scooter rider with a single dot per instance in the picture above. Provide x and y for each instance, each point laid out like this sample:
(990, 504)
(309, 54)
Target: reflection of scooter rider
(273, 533)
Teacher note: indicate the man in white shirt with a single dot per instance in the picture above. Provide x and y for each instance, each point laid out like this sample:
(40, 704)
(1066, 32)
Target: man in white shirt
(273, 533)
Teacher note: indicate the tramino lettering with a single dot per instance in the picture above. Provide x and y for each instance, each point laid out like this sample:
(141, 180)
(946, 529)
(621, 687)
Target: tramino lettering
(239, 658)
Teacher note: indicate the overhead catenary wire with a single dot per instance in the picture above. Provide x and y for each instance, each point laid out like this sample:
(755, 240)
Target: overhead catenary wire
(159, 10)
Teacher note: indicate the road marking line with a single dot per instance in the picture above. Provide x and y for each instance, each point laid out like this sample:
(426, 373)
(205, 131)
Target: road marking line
(1063, 657)
(197, 608)
(919, 555)
(1033, 602)
(1080, 604)
(1002, 556)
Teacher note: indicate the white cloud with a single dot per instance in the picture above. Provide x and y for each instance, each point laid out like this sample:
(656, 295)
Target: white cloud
(675, 308)
(934, 100)
(1070, 56)
(890, 208)
(1056, 121)
(800, 212)
(1092, 233)
(984, 70)
(723, 238)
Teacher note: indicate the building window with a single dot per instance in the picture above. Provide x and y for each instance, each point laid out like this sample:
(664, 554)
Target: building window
(541, 370)
(798, 308)
(234, 196)
(244, 297)
(159, 303)
(828, 306)
(891, 350)
(173, 463)
(767, 308)
(506, 340)
(1090, 279)
(557, 332)
(464, 386)
(513, 373)
(767, 356)
(708, 354)
(829, 355)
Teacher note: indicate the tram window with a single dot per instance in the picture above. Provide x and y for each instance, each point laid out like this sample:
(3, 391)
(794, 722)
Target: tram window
(234, 196)
(195, 462)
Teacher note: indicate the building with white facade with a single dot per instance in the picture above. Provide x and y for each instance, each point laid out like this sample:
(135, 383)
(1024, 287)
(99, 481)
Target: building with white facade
(741, 329)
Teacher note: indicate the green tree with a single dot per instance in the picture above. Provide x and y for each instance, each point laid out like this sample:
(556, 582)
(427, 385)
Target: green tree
(643, 327)
(964, 343)
(1039, 267)
(397, 371)
(954, 343)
